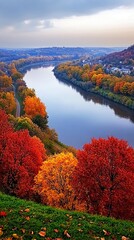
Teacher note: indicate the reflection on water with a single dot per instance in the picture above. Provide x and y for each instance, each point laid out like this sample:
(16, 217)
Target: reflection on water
(78, 116)
(119, 110)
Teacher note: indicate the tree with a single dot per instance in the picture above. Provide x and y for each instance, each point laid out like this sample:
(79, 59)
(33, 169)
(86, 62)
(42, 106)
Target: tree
(41, 121)
(7, 102)
(21, 159)
(5, 129)
(33, 107)
(104, 177)
(5, 81)
(52, 182)
(25, 91)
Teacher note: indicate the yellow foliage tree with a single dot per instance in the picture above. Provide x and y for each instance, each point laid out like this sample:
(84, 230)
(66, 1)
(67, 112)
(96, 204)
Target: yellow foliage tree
(53, 182)
(33, 107)
(7, 102)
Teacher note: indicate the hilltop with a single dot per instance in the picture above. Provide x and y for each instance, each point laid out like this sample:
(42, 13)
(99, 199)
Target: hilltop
(125, 57)
(24, 220)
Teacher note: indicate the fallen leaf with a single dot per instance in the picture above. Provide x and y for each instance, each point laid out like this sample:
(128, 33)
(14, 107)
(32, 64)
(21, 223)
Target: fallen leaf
(58, 239)
(80, 230)
(124, 238)
(21, 238)
(14, 229)
(23, 230)
(1, 232)
(3, 214)
(103, 238)
(43, 229)
(27, 210)
(42, 233)
(27, 218)
(21, 211)
(15, 235)
(9, 238)
(67, 234)
(56, 230)
(106, 233)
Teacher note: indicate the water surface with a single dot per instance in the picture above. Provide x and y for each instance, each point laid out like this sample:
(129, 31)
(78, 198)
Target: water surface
(78, 116)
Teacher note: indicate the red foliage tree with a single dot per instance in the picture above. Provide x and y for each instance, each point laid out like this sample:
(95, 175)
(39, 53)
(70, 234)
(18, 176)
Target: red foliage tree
(5, 129)
(104, 177)
(20, 159)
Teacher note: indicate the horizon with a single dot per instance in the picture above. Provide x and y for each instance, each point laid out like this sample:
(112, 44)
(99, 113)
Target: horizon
(41, 47)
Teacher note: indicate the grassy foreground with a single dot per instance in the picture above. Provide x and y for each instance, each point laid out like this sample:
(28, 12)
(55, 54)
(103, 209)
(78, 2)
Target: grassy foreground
(28, 220)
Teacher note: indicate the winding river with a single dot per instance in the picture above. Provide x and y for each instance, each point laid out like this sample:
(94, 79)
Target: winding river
(78, 116)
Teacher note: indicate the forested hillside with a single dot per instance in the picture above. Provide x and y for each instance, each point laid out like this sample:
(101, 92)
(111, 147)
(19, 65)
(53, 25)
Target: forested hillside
(34, 165)
(94, 79)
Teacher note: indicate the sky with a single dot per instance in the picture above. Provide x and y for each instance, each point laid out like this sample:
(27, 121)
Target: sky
(71, 23)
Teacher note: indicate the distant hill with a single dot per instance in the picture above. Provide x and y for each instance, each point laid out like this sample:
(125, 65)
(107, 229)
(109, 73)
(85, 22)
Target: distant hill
(8, 55)
(125, 57)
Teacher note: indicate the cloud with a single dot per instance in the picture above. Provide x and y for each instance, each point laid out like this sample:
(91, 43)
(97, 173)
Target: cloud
(26, 23)
(14, 12)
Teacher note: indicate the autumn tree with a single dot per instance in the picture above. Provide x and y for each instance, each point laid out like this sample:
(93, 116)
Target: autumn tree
(41, 121)
(25, 91)
(104, 176)
(5, 81)
(52, 182)
(5, 129)
(20, 159)
(7, 102)
(33, 107)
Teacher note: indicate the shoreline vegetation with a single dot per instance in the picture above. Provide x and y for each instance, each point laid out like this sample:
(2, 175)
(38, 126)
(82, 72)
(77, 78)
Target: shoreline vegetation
(96, 81)
(13, 90)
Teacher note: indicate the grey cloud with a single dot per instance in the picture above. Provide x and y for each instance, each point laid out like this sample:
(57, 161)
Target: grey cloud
(12, 12)
(33, 25)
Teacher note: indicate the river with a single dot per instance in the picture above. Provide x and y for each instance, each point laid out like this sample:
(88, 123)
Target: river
(78, 116)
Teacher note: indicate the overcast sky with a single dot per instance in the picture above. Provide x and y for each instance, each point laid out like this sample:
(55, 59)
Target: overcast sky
(42, 23)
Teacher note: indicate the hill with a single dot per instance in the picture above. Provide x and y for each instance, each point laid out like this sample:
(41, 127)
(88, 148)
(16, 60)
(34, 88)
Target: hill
(24, 220)
(69, 53)
(125, 57)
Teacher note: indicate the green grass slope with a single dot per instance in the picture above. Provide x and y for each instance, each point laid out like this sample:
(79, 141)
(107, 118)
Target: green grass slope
(29, 220)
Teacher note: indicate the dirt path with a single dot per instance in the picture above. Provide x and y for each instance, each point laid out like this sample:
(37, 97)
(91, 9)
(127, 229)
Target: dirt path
(17, 103)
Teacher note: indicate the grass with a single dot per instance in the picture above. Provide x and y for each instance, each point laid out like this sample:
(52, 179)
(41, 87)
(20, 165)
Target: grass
(28, 220)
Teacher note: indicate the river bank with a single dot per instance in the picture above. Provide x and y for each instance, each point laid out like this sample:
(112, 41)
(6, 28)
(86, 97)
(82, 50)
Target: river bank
(77, 115)
(89, 87)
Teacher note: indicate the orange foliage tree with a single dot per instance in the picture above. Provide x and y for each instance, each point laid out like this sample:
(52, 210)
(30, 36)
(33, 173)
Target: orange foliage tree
(33, 107)
(104, 177)
(52, 182)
